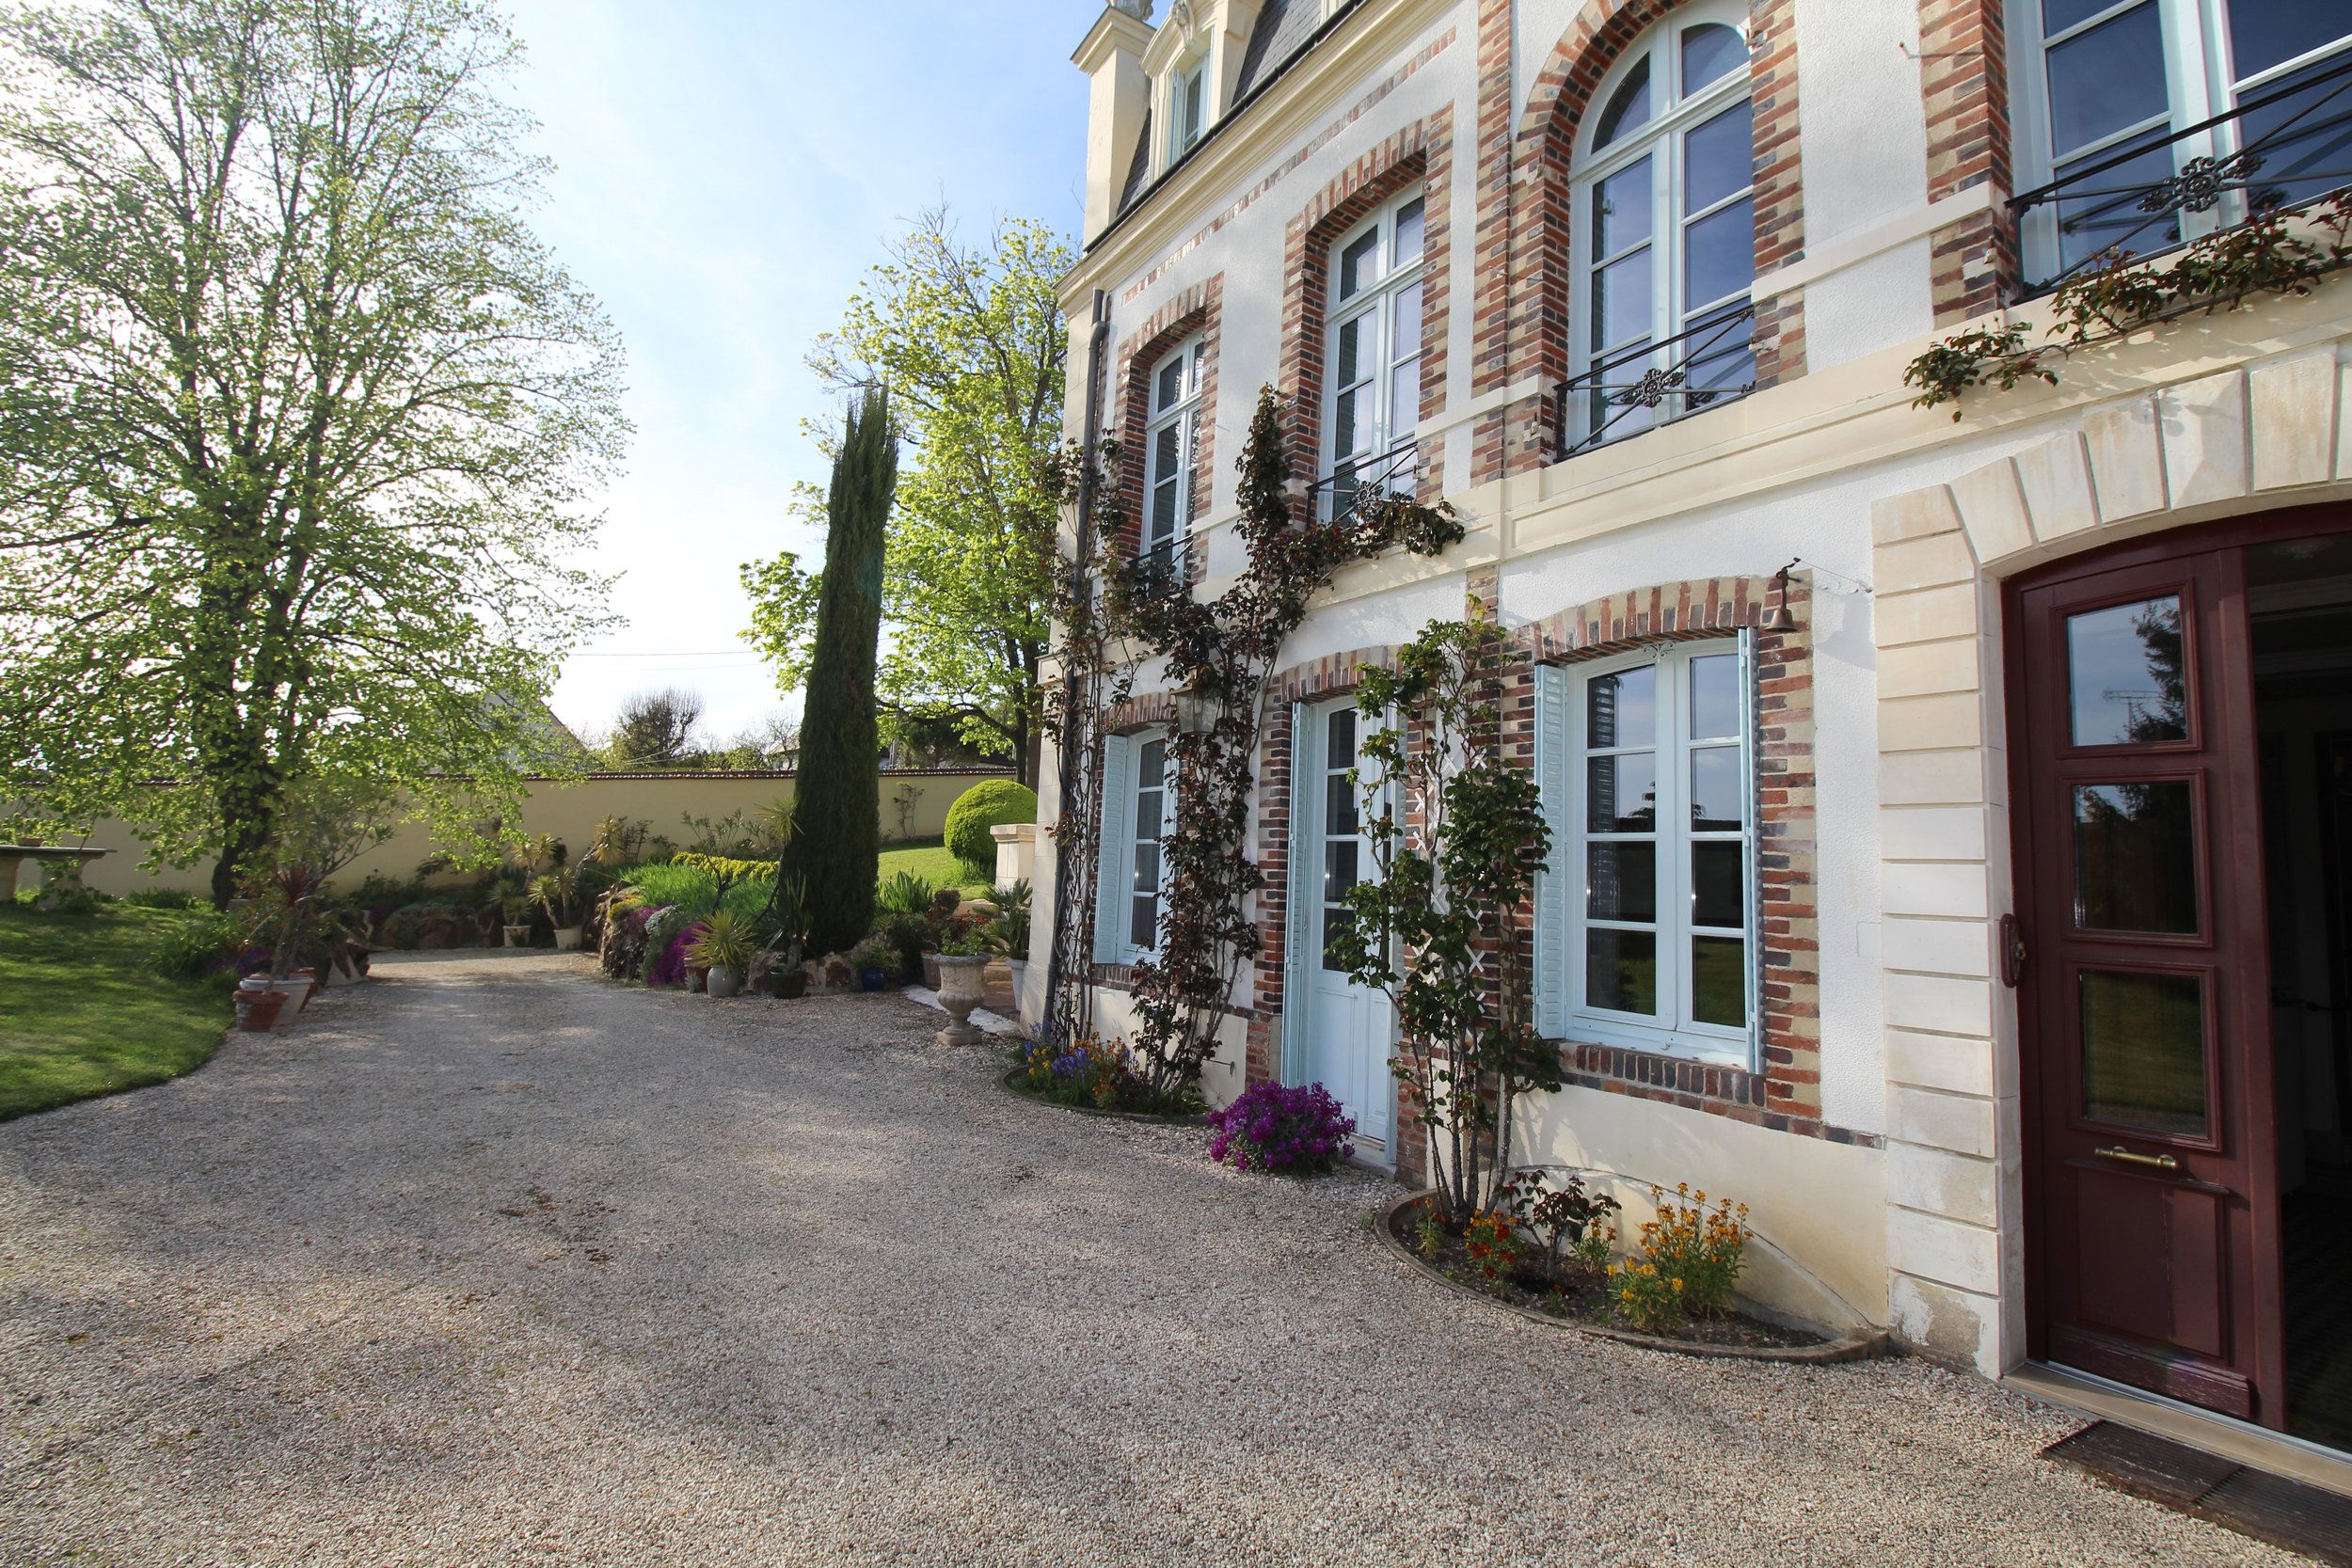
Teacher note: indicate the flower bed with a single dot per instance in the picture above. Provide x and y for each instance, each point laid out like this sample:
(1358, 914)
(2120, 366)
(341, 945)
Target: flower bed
(1093, 1076)
(1587, 1300)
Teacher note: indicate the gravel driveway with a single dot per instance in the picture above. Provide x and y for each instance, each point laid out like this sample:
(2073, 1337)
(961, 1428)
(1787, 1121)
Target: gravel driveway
(490, 1261)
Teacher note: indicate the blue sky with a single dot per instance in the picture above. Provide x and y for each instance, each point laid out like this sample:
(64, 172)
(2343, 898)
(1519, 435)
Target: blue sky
(726, 171)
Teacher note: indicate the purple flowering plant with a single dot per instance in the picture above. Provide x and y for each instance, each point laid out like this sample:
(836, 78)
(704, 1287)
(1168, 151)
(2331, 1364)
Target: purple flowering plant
(1294, 1130)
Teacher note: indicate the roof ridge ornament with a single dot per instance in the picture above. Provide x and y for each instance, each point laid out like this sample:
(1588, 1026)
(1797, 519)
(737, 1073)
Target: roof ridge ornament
(1139, 10)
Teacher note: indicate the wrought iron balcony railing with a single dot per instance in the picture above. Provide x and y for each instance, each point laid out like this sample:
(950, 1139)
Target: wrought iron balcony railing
(1638, 388)
(2284, 146)
(1394, 472)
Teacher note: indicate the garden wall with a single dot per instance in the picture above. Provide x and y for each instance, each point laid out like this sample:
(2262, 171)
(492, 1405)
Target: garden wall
(914, 803)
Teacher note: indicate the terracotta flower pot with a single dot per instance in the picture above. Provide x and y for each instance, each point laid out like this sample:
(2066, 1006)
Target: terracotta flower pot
(258, 1010)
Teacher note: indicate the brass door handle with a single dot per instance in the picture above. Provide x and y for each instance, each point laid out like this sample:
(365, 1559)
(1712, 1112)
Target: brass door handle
(2161, 1162)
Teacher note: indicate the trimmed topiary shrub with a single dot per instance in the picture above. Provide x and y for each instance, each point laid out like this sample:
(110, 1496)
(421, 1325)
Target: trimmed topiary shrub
(989, 803)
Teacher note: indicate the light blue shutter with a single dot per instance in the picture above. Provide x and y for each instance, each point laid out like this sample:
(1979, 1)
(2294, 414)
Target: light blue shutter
(1110, 886)
(1297, 891)
(1552, 883)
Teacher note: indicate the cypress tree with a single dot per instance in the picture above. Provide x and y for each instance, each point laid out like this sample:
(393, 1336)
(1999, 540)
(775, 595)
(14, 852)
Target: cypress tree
(836, 832)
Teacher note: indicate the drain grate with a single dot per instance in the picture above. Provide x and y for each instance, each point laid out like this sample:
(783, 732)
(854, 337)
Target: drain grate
(2289, 1513)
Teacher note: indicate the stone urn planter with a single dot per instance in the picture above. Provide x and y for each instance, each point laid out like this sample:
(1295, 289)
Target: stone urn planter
(959, 991)
(931, 972)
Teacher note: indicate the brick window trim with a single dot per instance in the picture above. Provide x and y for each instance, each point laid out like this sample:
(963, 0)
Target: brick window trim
(1963, 81)
(1528, 331)
(1784, 1094)
(1423, 152)
(1196, 310)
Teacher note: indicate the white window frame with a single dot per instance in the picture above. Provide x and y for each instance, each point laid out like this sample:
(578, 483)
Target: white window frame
(1563, 910)
(1189, 77)
(1660, 139)
(1374, 306)
(2201, 81)
(1123, 787)
(1179, 416)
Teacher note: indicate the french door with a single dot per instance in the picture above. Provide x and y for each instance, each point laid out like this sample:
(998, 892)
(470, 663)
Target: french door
(1339, 1030)
(2152, 1174)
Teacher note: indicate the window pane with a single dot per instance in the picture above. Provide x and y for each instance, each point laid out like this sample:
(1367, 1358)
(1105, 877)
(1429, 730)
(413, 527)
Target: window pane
(1163, 512)
(1718, 804)
(1409, 223)
(1404, 402)
(1719, 356)
(1714, 696)
(1147, 869)
(1621, 793)
(1621, 211)
(1143, 924)
(1172, 385)
(1718, 981)
(2107, 80)
(1708, 52)
(1152, 762)
(1621, 881)
(1339, 736)
(1349, 356)
(1148, 803)
(2136, 857)
(1622, 709)
(1621, 302)
(2124, 677)
(1719, 254)
(1628, 106)
(2059, 15)
(1351, 421)
(1602, 412)
(1359, 264)
(1718, 158)
(2263, 33)
(1342, 806)
(1718, 878)
(1406, 339)
(2144, 1051)
(1621, 970)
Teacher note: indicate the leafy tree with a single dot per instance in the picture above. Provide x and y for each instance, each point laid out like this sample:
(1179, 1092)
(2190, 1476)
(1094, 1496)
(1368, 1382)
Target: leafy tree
(972, 343)
(299, 414)
(836, 838)
(655, 729)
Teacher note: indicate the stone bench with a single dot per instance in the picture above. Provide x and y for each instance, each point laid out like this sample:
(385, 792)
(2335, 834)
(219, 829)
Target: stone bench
(13, 856)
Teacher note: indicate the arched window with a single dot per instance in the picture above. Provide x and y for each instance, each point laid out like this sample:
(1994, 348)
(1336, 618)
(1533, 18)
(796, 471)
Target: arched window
(1664, 215)
(2158, 120)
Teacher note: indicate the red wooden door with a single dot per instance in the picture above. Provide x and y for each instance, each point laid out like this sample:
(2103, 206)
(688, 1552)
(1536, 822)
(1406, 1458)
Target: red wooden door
(2152, 1177)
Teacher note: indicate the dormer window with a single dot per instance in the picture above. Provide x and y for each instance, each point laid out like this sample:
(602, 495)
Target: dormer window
(1187, 107)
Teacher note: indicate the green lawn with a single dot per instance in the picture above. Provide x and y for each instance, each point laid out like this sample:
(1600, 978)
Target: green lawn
(80, 1014)
(929, 859)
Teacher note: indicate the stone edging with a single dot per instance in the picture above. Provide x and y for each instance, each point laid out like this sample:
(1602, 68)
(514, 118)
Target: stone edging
(1010, 1088)
(1857, 1347)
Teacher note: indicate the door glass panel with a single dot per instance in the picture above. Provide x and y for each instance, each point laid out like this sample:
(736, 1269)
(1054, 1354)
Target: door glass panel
(1339, 870)
(1410, 222)
(1717, 803)
(1351, 352)
(1335, 923)
(2102, 209)
(2136, 857)
(1340, 733)
(1622, 709)
(1718, 981)
(2125, 685)
(2107, 79)
(1341, 806)
(1718, 890)
(1715, 697)
(2304, 137)
(2059, 15)
(2143, 1050)
(1621, 301)
(1621, 209)
(1622, 882)
(1719, 159)
(2263, 33)
(1719, 254)
(1358, 264)
(1708, 51)
(1405, 335)
(1621, 970)
(1144, 929)
(1171, 384)
(1626, 109)
(1621, 793)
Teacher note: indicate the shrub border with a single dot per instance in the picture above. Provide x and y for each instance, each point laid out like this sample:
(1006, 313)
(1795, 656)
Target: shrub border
(1852, 1347)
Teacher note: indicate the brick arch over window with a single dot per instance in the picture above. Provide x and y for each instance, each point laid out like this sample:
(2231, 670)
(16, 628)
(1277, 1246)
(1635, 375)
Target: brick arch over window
(1423, 152)
(1785, 1094)
(1196, 310)
(1529, 337)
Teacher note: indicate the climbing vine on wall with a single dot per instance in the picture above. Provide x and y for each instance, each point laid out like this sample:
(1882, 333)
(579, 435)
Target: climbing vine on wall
(2115, 296)
(1220, 652)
